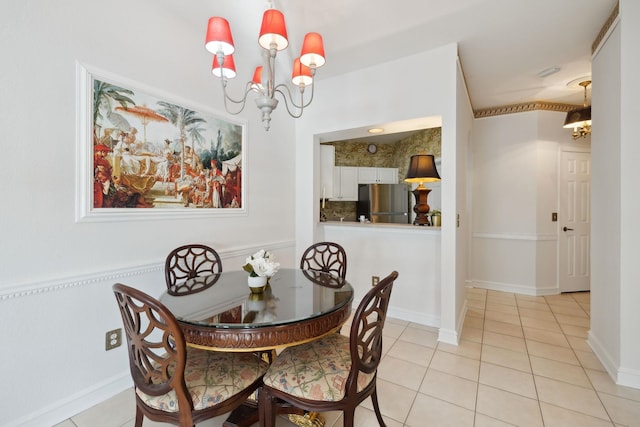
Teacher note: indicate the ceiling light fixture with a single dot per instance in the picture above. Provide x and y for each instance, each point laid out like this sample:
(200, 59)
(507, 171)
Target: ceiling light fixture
(375, 130)
(548, 71)
(580, 118)
(272, 38)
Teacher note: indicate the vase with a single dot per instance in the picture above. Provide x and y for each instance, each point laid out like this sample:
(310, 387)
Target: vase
(256, 302)
(257, 283)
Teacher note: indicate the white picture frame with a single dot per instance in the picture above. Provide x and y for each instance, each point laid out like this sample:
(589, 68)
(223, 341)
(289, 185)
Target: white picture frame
(144, 154)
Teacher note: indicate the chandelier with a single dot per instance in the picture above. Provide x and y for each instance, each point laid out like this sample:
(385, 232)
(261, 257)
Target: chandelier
(580, 118)
(272, 38)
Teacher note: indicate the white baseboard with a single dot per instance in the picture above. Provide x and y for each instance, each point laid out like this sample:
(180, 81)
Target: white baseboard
(450, 336)
(408, 316)
(512, 287)
(629, 378)
(72, 405)
(620, 375)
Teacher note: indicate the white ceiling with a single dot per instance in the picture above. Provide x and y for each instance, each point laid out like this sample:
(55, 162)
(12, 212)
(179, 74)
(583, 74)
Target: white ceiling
(503, 44)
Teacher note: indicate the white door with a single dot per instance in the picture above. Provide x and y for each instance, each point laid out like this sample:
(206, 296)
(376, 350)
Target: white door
(574, 222)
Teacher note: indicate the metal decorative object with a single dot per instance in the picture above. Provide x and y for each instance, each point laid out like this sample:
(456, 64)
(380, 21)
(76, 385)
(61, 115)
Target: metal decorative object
(580, 118)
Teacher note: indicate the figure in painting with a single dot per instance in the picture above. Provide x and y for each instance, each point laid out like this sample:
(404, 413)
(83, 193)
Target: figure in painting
(102, 174)
(216, 184)
(192, 162)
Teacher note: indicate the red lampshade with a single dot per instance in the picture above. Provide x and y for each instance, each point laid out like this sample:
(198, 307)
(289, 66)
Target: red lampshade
(312, 50)
(228, 67)
(273, 30)
(219, 36)
(257, 76)
(301, 74)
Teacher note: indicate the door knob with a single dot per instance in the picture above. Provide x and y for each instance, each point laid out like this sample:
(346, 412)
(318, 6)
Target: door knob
(567, 229)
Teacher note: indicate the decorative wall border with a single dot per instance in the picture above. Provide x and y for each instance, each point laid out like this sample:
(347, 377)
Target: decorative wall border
(64, 283)
(117, 274)
(605, 28)
(524, 107)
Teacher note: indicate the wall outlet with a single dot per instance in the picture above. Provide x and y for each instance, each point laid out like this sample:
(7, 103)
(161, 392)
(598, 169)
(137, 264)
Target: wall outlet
(375, 280)
(113, 339)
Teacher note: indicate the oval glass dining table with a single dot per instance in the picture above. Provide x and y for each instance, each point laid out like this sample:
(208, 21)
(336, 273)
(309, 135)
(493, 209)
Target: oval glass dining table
(219, 311)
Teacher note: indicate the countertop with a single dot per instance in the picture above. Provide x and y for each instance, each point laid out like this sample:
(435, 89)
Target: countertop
(381, 226)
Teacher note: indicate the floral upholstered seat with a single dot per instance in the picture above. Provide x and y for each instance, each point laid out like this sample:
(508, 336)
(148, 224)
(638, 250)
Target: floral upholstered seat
(173, 383)
(211, 378)
(333, 373)
(317, 370)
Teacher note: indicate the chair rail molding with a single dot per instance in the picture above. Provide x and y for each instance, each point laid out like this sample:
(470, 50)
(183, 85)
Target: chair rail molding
(511, 236)
(27, 289)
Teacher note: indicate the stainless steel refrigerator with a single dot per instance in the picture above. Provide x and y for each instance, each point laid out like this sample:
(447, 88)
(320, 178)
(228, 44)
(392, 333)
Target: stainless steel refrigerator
(384, 203)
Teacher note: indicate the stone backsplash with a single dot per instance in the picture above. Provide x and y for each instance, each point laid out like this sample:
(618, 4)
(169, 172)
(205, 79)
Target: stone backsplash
(334, 210)
(395, 155)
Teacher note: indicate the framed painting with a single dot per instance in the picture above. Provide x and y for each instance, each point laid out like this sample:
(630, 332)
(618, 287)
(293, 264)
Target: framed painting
(143, 154)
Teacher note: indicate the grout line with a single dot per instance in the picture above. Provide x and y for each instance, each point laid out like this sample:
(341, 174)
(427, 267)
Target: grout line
(484, 320)
(533, 376)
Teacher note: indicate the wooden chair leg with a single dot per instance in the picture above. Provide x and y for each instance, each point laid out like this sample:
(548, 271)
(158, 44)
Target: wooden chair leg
(376, 407)
(349, 416)
(139, 417)
(266, 409)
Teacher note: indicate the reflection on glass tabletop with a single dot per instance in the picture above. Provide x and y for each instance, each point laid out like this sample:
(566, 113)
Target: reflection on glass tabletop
(224, 300)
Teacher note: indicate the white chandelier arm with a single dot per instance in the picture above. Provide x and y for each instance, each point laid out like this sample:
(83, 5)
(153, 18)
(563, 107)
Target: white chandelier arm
(288, 98)
(242, 101)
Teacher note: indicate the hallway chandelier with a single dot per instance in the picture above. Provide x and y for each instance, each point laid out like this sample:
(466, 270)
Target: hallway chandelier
(272, 38)
(580, 118)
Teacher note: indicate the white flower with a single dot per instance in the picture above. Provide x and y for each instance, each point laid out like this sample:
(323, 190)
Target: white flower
(262, 263)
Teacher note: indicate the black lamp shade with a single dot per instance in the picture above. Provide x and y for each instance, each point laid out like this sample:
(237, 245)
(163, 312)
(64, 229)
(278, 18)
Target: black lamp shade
(422, 168)
(578, 118)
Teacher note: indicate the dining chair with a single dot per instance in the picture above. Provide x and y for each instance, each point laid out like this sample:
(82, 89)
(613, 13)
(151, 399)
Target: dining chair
(174, 383)
(189, 262)
(333, 373)
(325, 256)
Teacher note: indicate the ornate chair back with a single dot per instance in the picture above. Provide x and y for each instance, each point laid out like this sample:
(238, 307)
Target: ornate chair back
(188, 262)
(325, 256)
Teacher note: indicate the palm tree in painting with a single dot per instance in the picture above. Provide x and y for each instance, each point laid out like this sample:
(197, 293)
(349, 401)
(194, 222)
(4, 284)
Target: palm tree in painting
(195, 132)
(187, 122)
(104, 94)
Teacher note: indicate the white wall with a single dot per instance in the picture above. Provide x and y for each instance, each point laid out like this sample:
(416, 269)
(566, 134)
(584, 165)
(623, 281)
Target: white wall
(378, 250)
(454, 297)
(55, 289)
(615, 207)
(366, 98)
(629, 373)
(514, 191)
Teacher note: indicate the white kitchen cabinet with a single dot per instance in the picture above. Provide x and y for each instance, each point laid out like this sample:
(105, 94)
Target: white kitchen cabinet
(369, 175)
(345, 184)
(327, 163)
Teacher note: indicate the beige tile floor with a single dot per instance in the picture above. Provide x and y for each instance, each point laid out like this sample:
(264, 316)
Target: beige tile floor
(522, 361)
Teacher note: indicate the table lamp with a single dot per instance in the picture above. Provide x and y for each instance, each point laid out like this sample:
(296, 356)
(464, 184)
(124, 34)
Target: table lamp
(422, 168)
